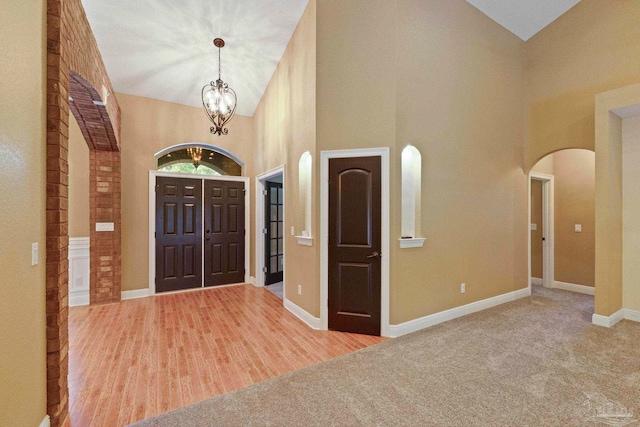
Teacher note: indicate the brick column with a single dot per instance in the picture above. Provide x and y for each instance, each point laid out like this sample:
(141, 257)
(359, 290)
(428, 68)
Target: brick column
(57, 227)
(104, 207)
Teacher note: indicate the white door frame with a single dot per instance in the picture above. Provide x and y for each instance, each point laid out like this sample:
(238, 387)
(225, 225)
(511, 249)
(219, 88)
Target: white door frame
(383, 153)
(153, 174)
(548, 245)
(260, 219)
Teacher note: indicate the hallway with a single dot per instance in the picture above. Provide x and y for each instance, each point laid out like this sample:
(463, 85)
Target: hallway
(142, 357)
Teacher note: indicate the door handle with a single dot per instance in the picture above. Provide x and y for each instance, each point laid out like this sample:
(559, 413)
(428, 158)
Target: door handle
(373, 255)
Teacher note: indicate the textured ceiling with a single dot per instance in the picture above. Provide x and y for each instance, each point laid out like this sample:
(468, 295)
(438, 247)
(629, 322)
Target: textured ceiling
(163, 49)
(524, 18)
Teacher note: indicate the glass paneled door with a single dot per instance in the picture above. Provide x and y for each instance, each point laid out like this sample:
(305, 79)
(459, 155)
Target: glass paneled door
(274, 241)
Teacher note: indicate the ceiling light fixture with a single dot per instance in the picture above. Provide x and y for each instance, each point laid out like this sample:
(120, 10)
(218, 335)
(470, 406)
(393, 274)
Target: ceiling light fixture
(219, 100)
(196, 155)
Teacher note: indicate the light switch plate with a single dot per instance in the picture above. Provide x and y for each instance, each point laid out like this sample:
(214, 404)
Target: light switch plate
(104, 226)
(534, 227)
(578, 228)
(34, 254)
(293, 231)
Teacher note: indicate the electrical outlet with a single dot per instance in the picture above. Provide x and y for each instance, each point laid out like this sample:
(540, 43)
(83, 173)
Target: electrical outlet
(463, 288)
(77, 282)
(34, 254)
(299, 289)
(293, 230)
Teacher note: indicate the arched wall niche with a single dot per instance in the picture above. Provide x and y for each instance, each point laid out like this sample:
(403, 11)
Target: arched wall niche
(305, 179)
(411, 198)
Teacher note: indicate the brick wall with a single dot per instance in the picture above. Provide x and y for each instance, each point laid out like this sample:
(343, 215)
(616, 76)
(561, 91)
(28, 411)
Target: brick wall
(104, 206)
(74, 64)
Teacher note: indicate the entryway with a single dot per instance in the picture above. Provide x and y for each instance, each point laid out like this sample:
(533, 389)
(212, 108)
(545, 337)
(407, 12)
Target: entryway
(562, 221)
(270, 228)
(198, 231)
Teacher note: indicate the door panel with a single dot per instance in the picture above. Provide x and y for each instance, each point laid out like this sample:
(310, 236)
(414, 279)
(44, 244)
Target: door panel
(274, 218)
(354, 245)
(224, 232)
(178, 234)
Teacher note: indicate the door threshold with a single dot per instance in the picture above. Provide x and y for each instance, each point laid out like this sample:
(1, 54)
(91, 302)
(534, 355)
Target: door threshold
(204, 288)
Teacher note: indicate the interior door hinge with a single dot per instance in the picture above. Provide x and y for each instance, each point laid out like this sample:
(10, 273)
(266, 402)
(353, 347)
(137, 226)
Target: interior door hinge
(264, 270)
(264, 231)
(265, 192)
(155, 234)
(244, 191)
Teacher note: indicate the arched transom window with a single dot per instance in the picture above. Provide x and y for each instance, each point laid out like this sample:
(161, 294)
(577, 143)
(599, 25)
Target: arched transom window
(198, 159)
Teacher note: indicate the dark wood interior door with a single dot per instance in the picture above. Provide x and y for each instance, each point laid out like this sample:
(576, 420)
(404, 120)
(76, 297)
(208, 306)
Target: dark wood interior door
(224, 232)
(354, 245)
(178, 234)
(274, 237)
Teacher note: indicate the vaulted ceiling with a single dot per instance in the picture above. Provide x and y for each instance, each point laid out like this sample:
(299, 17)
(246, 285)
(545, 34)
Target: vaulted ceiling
(163, 49)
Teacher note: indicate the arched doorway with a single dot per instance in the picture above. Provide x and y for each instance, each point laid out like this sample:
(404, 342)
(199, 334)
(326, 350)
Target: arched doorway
(562, 221)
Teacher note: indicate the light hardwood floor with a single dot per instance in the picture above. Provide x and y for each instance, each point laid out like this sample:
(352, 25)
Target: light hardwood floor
(139, 358)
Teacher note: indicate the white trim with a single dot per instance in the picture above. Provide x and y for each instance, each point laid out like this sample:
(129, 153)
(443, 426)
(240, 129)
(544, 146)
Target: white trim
(632, 315)
(572, 287)
(302, 314)
(79, 299)
(252, 280)
(414, 242)
(153, 174)
(548, 209)
(134, 294)
(79, 243)
(607, 322)
(46, 421)
(536, 281)
(383, 153)
(260, 180)
(79, 267)
(304, 240)
(454, 313)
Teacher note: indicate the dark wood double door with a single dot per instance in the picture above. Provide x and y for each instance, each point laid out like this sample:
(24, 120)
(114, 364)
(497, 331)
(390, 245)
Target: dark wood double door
(200, 233)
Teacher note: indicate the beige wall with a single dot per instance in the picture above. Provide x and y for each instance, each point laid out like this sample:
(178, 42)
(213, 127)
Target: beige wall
(149, 126)
(285, 127)
(591, 49)
(22, 217)
(536, 235)
(408, 74)
(574, 172)
(78, 181)
(631, 213)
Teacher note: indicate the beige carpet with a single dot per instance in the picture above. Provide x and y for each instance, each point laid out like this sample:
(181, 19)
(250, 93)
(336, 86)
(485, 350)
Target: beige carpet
(532, 362)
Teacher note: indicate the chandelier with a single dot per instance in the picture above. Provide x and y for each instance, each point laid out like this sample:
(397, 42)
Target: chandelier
(219, 100)
(196, 155)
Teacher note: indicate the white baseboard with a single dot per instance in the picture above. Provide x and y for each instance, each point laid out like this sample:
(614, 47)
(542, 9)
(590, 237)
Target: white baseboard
(77, 299)
(252, 280)
(536, 281)
(46, 422)
(632, 315)
(607, 321)
(136, 293)
(302, 314)
(444, 316)
(572, 287)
